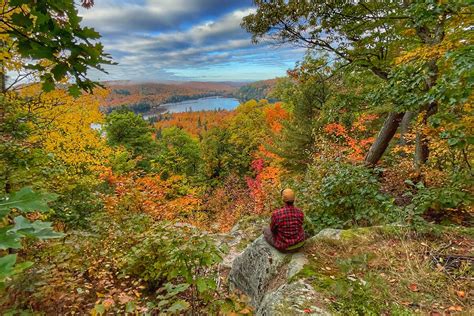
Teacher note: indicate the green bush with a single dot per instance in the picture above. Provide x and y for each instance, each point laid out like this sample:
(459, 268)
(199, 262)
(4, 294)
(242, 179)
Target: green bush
(173, 260)
(75, 207)
(447, 203)
(342, 195)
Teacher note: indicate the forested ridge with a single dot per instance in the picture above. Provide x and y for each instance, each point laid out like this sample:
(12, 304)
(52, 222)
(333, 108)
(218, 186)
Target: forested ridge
(373, 129)
(141, 97)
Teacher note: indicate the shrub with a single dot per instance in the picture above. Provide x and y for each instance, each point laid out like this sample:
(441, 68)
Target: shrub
(174, 260)
(342, 195)
(75, 207)
(451, 202)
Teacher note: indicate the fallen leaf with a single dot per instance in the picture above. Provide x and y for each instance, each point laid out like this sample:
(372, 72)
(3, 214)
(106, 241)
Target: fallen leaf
(461, 294)
(435, 313)
(455, 308)
(245, 311)
(413, 287)
(108, 303)
(124, 298)
(307, 311)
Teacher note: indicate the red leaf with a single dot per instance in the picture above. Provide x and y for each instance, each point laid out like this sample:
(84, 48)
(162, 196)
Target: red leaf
(413, 287)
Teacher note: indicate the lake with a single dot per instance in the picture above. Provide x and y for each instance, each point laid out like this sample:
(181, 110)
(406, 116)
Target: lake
(203, 104)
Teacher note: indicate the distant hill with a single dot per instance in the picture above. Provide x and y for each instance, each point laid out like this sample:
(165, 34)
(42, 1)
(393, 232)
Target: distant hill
(143, 96)
(256, 90)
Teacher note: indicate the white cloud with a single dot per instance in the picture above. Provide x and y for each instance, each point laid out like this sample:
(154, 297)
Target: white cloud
(167, 39)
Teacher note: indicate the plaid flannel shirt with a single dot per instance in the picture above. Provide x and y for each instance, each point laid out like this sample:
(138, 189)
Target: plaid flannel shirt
(287, 227)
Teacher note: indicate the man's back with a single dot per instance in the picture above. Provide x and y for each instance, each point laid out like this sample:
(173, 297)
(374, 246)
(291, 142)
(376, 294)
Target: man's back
(287, 226)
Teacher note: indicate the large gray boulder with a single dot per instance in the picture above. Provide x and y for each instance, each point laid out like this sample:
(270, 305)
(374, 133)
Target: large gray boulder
(254, 270)
(267, 277)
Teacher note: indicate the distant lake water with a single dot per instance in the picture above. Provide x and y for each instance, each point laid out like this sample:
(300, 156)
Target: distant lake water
(203, 104)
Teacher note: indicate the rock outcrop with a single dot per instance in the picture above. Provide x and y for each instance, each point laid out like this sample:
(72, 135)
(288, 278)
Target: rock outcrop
(296, 298)
(267, 277)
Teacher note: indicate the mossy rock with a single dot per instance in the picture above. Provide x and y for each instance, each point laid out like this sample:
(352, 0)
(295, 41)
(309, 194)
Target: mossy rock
(265, 275)
(297, 298)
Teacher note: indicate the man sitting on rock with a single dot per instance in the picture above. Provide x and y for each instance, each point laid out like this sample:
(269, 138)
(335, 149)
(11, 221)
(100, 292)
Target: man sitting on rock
(286, 231)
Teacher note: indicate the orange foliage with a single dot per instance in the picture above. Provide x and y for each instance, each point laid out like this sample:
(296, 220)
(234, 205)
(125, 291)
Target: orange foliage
(163, 199)
(195, 123)
(353, 142)
(266, 182)
(229, 202)
(274, 115)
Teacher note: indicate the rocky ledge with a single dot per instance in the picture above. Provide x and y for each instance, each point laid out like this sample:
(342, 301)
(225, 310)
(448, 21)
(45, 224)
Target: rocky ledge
(267, 277)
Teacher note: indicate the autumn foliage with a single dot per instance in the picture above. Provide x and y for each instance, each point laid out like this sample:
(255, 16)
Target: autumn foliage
(194, 123)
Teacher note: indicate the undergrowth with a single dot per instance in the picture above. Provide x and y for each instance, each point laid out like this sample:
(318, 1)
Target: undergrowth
(393, 271)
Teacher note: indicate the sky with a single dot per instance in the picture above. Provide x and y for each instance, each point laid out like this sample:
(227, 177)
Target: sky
(184, 40)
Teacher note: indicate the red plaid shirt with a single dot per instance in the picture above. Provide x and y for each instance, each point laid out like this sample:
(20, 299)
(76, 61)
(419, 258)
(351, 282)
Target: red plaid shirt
(287, 227)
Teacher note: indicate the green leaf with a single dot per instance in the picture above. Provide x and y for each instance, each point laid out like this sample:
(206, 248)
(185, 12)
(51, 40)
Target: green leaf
(178, 306)
(453, 141)
(39, 52)
(48, 85)
(59, 71)
(99, 309)
(88, 32)
(28, 201)
(21, 20)
(162, 303)
(6, 266)
(37, 229)
(180, 288)
(201, 285)
(130, 307)
(9, 239)
(16, 3)
(74, 91)
(19, 267)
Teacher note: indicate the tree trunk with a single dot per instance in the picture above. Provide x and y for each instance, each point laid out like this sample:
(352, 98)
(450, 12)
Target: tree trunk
(422, 150)
(2, 81)
(386, 134)
(405, 126)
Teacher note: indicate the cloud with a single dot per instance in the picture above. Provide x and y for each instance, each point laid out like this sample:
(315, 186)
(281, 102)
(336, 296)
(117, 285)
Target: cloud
(184, 39)
(111, 16)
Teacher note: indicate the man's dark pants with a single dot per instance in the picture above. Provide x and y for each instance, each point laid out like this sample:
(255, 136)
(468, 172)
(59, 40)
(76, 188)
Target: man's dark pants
(267, 233)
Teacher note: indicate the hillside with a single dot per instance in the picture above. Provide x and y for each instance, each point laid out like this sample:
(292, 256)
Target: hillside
(256, 90)
(153, 94)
